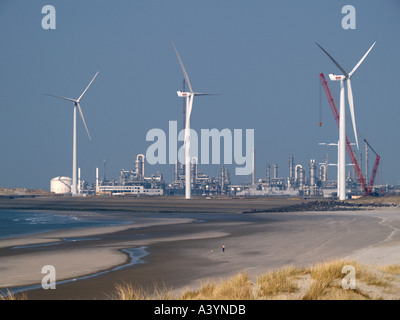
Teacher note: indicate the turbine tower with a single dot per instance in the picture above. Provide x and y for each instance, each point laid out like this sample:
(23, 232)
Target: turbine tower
(189, 105)
(342, 118)
(74, 144)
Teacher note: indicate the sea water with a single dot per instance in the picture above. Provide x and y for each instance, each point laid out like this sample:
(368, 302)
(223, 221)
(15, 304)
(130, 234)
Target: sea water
(14, 223)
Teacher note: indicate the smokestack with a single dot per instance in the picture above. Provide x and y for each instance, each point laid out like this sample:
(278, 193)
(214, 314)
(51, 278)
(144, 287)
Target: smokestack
(291, 168)
(253, 174)
(193, 170)
(275, 171)
(312, 172)
(301, 178)
(176, 170)
(97, 178)
(323, 172)
(268, 175)
(222, 179)
(226, 176)
(139, 165)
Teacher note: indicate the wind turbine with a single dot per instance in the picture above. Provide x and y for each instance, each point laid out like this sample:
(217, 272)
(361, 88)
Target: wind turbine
(342, 119)
(189, 104)
(74, 152)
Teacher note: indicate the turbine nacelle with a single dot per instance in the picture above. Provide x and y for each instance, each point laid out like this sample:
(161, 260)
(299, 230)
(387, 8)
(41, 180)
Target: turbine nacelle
(183, 94)
(335, 77)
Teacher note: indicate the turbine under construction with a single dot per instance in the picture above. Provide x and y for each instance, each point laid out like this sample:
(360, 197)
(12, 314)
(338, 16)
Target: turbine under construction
(342, 123)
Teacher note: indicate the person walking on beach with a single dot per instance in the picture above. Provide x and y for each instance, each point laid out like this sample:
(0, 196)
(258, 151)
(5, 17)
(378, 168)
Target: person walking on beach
(223, 247)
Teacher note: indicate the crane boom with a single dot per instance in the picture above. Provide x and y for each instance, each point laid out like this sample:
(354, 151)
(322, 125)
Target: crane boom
(374, 169)
(349, 149)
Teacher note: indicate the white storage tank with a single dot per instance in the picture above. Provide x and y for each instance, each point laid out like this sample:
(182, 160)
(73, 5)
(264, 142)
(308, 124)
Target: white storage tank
(61, 185)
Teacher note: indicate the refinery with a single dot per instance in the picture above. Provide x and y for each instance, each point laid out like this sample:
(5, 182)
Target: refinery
(317, 178)
(314, 179)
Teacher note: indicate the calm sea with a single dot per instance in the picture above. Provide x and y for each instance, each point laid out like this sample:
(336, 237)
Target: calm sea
(16, 223)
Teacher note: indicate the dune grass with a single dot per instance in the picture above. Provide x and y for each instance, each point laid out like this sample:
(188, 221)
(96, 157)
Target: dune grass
(391, 269)
(10, 296)
(126, 291)
(327, 281)
(279, 281)
(238, 287)
(322, 281)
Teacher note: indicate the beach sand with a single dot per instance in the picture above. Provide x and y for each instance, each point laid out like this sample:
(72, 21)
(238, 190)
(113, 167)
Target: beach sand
(185, 249)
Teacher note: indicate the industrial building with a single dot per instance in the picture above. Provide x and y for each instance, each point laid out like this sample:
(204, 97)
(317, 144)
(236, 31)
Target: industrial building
(132, 182)
(61, 185)
(201, 184)
(311, 180)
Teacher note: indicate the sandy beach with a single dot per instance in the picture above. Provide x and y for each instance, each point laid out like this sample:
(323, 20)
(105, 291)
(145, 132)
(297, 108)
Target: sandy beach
(184, 249)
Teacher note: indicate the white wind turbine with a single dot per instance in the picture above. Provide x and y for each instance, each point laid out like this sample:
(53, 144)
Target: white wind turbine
(189, 104)
(342, 120)
(74, 152)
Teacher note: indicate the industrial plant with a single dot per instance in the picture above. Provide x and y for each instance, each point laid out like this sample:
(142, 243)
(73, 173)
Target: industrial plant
(312, 179)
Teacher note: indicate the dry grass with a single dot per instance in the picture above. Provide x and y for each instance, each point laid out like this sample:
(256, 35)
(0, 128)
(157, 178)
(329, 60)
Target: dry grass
(278, 282)
(327, 281)
(126, 291)
(11, 296)
(238, 287)
(318, 282)
(391, 269)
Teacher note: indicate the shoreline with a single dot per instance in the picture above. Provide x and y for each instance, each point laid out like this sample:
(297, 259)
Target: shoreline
(184, 249)
(104, 258)
(140, 253)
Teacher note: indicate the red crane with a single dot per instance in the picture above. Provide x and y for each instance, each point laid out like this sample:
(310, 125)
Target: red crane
(374, 169)
(366, 189)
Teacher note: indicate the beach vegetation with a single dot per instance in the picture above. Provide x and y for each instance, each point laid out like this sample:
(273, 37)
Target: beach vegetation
(322, 281)
(8, 295)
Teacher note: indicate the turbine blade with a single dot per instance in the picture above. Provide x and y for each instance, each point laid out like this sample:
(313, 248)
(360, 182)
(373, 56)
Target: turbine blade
(52, 95)
(362, 59)
(84, 122)
(207, 94)
(183, 68)
(79, 99)
(334, 61)
(351, 106)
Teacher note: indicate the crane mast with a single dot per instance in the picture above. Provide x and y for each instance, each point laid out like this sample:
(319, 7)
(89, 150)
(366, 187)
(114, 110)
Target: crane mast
(374, 169)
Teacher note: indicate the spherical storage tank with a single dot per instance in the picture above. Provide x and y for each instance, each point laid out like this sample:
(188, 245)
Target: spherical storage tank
(61, 185)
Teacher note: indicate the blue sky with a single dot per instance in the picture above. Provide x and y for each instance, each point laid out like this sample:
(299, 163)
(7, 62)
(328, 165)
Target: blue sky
(261, 55)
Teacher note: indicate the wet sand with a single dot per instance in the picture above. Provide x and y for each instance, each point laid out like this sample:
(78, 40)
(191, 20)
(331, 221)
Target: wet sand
(185, 249)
